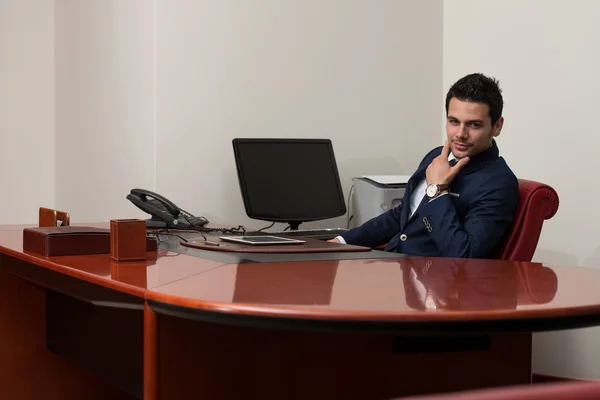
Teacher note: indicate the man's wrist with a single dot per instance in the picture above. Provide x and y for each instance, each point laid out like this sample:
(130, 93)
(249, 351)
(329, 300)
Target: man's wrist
(434, 190)
(437, 181)
(439, 195)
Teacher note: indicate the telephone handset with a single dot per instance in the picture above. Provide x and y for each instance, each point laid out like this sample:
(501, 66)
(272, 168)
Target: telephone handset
(165, 214)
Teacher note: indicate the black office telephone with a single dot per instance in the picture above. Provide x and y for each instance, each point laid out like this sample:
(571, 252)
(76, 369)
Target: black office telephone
(164, 213)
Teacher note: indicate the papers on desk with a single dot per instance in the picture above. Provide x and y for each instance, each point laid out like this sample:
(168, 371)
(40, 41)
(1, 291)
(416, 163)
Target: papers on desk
(388, 179)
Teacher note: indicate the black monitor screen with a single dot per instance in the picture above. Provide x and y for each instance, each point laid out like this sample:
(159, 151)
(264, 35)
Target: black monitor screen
(289, 180)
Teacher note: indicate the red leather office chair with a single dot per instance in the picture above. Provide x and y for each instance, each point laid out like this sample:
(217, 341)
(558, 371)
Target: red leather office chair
(540, 391)
(537, 202)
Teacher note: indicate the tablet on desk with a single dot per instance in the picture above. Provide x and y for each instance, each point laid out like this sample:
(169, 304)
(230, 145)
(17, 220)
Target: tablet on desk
(258, 240)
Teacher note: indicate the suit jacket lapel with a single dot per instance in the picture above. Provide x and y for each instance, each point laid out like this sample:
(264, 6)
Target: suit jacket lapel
(481, 159)
(413, 182)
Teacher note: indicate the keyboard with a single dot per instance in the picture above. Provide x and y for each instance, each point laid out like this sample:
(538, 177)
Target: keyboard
(321, 234)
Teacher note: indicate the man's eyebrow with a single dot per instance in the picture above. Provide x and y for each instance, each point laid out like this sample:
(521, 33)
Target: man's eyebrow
(473, 121)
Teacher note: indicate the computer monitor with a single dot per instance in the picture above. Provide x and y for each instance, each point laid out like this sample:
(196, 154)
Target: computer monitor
(289, 180)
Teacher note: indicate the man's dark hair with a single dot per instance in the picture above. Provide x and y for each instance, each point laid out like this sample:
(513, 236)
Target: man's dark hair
(478, 88)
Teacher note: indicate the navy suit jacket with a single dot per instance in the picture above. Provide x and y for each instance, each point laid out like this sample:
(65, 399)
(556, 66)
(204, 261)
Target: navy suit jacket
(467, 223)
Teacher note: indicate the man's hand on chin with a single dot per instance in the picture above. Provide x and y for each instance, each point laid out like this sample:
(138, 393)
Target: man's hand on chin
(440, 171)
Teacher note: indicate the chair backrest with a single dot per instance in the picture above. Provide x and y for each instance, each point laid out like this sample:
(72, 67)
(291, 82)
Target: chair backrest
(537, 203)
(52, 217)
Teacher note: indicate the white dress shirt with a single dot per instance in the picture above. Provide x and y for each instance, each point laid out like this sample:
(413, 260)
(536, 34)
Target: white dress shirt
(416, 198)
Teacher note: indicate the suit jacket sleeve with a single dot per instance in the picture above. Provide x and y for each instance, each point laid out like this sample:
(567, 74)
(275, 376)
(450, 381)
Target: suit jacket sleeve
(485, 224)
(376, 231)
(384, 227)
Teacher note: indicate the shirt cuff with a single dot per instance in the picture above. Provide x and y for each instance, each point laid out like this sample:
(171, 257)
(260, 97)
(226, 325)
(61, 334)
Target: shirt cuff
(443, 194)
(341, 239)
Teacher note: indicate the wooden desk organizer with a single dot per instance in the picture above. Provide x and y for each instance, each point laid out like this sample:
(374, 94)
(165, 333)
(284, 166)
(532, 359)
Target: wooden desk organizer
(66, 240)
(127, 239)
(73, 240)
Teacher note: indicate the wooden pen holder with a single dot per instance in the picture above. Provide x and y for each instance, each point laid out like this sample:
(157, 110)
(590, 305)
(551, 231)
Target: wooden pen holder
(127, 239)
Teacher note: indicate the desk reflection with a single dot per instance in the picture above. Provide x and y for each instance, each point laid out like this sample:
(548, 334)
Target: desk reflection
(466, 285)
(392, 287)
(289, 283)
(429, 284)
(132, 273)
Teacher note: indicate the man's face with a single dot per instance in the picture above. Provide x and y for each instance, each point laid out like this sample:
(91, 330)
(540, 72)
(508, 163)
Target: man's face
(469, 128)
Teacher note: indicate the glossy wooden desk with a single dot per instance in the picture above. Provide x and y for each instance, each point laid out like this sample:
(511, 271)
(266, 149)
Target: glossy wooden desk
(179, 327)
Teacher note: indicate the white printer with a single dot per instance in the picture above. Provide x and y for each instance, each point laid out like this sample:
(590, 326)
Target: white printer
(376, 194)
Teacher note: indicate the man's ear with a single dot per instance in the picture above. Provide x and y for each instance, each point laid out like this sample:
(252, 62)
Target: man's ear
(498, 127)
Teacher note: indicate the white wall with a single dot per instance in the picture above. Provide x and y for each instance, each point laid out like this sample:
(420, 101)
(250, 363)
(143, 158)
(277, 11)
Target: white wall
(368, 76)
(545, 55)
(105, 92)
(26, 108)
(150, 94)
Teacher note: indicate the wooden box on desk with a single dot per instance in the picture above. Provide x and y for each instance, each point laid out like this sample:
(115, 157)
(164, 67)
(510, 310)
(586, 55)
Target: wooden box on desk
(127, 239)
(71, 240)
(66, 240)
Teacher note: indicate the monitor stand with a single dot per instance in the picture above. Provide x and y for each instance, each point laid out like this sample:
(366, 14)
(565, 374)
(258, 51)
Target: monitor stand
(294, 225)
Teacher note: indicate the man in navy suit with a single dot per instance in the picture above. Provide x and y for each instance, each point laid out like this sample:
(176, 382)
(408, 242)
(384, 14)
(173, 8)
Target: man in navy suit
(461, 200)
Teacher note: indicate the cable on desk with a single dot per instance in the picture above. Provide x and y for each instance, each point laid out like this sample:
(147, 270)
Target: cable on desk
(266, 227)
(349, 208)
(166, 232)
(194, 226)
(231, 231)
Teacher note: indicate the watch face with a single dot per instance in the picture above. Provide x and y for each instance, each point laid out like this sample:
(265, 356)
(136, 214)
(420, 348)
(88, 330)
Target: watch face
(431, 190)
